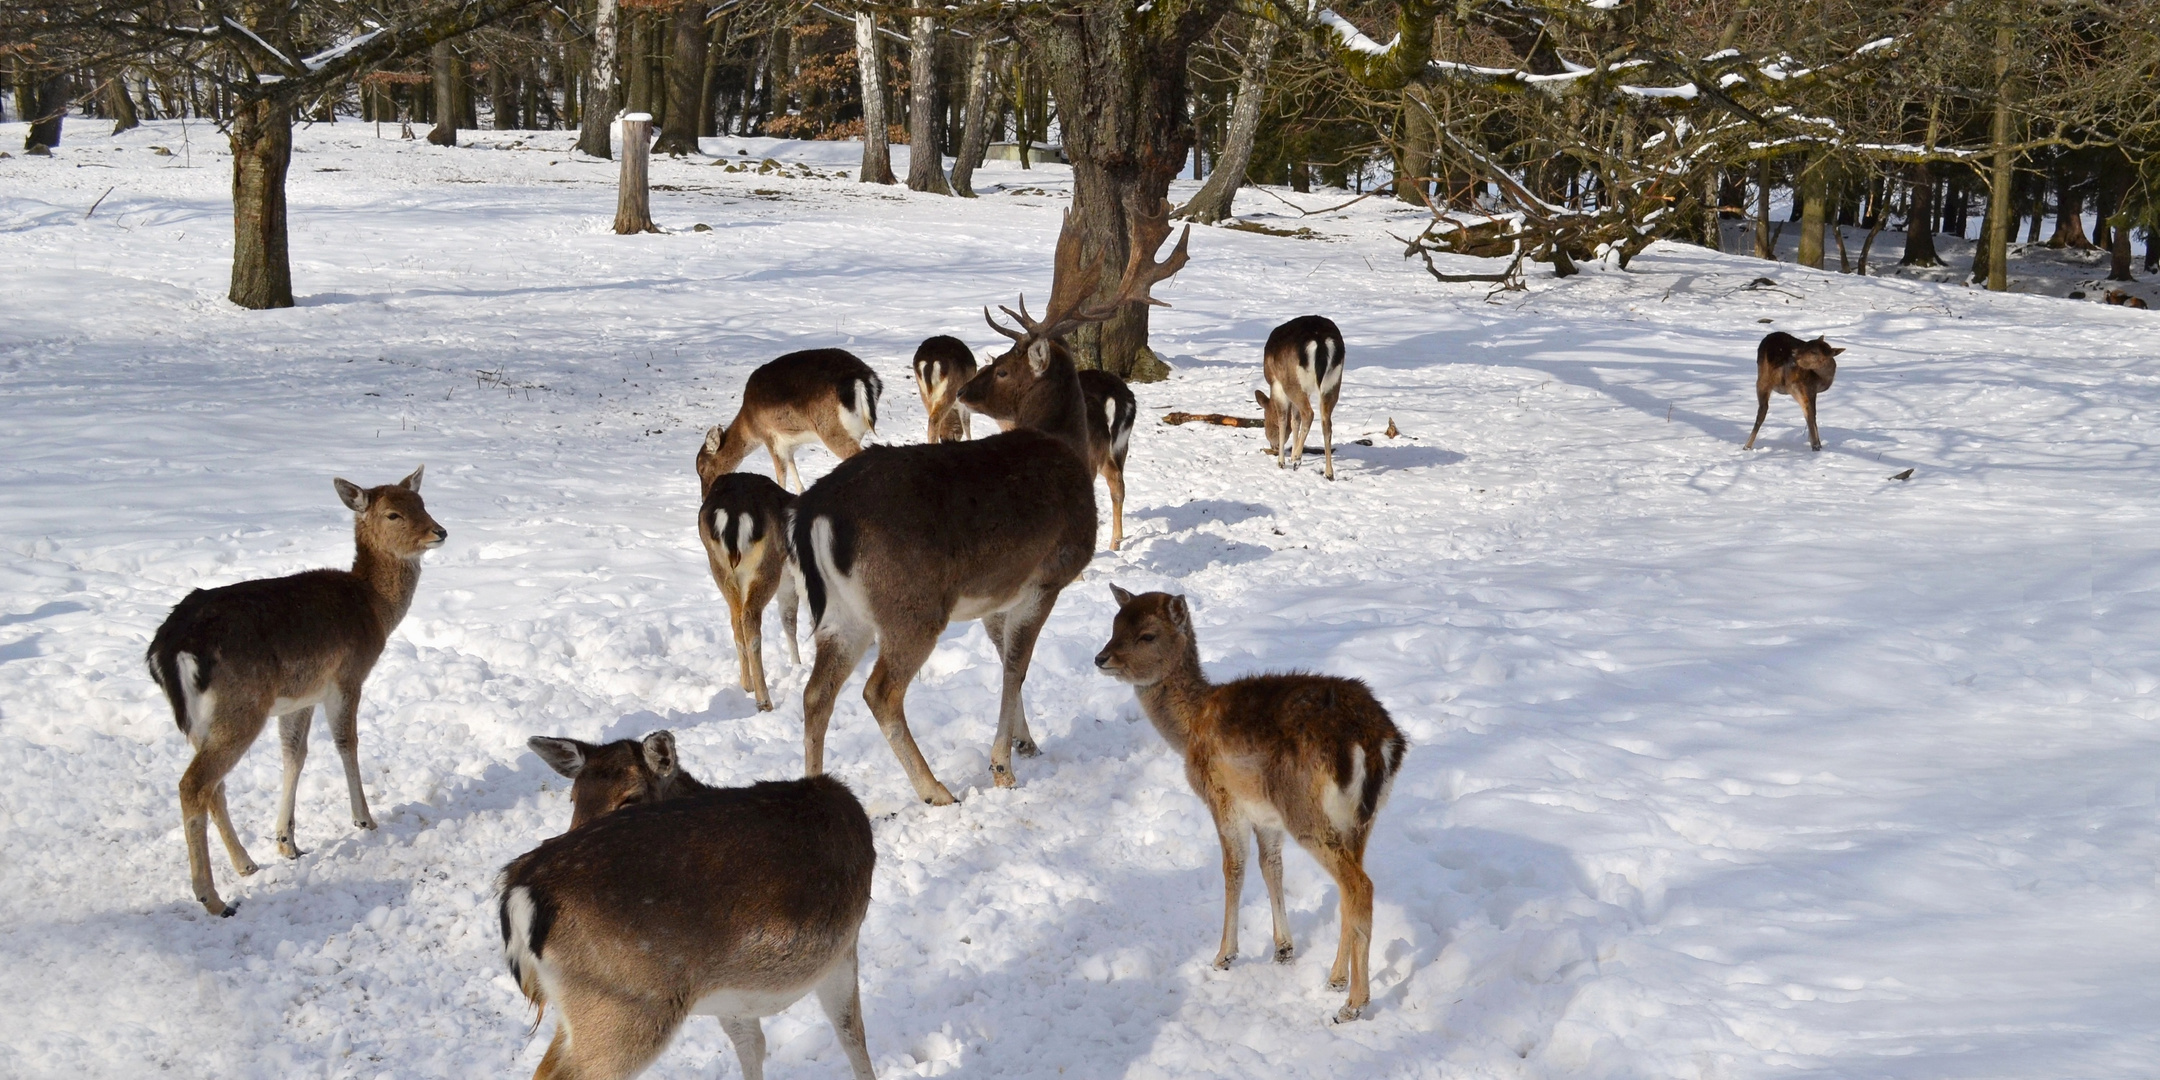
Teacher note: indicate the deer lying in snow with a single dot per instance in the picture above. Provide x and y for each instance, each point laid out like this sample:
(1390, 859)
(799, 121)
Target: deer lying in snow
(1800, 369)
(899, 541)
(230, 657)
(1303, 362)
(1310, 755)
(2123, 299)
(743, 525)
(669, 898)
(944, 364)
(818, 395)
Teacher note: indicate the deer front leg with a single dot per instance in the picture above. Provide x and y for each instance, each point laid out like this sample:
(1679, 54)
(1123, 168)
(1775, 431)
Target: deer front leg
(1114, 472)
(1304, 430)
(292, 739)
(344, 711)
(760, 593)
(1807, 405)
(1762, 409)
(1270, 841)
(1232, 835)
(748, 1036)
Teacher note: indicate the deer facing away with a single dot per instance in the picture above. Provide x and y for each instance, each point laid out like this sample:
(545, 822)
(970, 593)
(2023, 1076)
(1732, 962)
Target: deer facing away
(669, 898)
(944, 364)
(1799, 369)
(899, 541)
(818, 395)
(1303, 363)
(743, 525)
(1310, 755)
(229, 658)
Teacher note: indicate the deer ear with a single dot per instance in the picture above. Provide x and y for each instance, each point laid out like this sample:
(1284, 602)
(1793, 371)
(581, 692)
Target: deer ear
(412, 483)
(660, 753)
(1039, 356)
(1123, 597)
(1837, 352)
(1180, 613)
(712, 439)
(1261, 397)
(350, 494)
(566, 756)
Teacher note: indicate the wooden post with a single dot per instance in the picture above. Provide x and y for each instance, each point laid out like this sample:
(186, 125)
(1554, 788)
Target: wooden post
(633, 204)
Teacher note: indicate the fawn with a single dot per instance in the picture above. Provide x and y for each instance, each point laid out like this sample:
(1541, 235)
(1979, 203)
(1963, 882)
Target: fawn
(1801, 369)
(743, 525)
(1310, 755)
(755, 895)
(944, 364)
(817, 395)
(1303, 362)
(228, 658)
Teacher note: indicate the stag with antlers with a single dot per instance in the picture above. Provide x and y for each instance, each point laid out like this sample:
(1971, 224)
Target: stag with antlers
(899, 541)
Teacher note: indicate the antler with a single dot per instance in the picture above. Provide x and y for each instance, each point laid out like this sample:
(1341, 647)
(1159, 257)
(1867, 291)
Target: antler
(1070, 285)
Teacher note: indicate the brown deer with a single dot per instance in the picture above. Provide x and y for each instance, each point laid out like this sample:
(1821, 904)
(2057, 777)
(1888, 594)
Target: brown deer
(1310, 755)
(2123, 299)
(944, 364)
(899, 541)
(230, 657)
(818, 395)
(1800, 369)
(743, 525)
(755, 897)
(1303, 362)
(1111, 410)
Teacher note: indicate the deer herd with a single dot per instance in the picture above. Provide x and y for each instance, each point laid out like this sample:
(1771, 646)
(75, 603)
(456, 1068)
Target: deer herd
(667, 897)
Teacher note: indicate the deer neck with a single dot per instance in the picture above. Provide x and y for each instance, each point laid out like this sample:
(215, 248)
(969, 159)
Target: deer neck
(1175, 701)
(392, 579)
(1056, 407)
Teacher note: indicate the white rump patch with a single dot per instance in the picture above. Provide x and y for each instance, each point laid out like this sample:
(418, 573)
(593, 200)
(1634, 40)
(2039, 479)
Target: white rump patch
(857, 419)
(1341, 803)
(1334, 363)
(847, 607)
(743, 524)
(201, 705)
(517, 949)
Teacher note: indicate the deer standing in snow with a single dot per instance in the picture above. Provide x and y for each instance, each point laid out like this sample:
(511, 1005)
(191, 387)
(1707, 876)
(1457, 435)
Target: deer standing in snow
(818, 395)
(757, 894)
(1111, 410)
(229, 658)
(1303, 363)
(743, 525)
(944, 364)
(899, 541)
(1799, 369)
(1310, 755)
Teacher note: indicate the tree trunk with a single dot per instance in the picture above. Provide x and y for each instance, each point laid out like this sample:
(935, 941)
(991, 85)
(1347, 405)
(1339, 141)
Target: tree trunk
(870, 72)
(1214, 201)
(1920, 220)
(261, 138)
(2002, 188)
(686, 76)
(502, 97)
(2119, 226)
(45, 106)
(1812, 192)
(974, 127)
(638, 64)
(1764, 249)
(1418, 137)
(596, 116)
(1119, 72)
(2069, 214)
(120, 104)
(633, 197)
(449, 76)
(926, 164)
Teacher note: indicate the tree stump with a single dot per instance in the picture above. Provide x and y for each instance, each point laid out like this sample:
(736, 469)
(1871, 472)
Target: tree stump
(633, 203)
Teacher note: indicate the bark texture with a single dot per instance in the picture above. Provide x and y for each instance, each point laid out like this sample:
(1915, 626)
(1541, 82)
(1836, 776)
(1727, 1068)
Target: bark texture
(633, 197)
(45, 107)
(596, 119)
(261, 138)
(1213, 202)
(870, 70)
(685, 79)
(449, 79)
(1813, 184)
(1119, 73)
(975, 128)
(926, 159)
(1920, 220)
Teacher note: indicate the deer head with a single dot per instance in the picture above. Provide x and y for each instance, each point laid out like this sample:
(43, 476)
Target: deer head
(1007, 389)
(392, 519)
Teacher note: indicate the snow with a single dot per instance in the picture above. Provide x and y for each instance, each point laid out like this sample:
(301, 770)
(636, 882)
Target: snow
(1723, 764)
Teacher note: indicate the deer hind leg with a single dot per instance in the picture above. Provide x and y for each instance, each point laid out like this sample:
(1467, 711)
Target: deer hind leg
(747, 1034)
(1807, 405)
(1327, 433)
(901, 652)
(292, 739)
(1343, 859)
(233, 727)
(1014, 632)
(838, 651)
(1113, 471)
(840, 995)
(1271, 873)
(788, 606)
(1762, 409)
(343, 709)
(1231, 833)
(611, 1038)
(753, 627)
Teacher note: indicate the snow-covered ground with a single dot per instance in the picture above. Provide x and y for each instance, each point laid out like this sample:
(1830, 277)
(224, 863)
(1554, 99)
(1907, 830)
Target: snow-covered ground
(1723, 763)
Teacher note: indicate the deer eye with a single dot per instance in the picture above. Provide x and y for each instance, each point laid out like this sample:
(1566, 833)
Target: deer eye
(1147, 637)
(395, 516)
(1004, 372)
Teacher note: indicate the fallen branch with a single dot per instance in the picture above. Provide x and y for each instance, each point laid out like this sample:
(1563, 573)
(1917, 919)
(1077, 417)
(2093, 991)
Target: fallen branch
(1212, 418)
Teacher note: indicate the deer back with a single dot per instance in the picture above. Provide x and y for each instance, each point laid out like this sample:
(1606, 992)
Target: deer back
(1304, 356)
(753, 889)
(795, 395)
(1787, 363)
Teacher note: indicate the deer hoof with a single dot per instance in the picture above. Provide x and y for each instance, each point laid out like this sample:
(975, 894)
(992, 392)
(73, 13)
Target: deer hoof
(764, 706)
(1348, 1013)
(1222, 960)
(1285, 953)
(1025, 748)
(1002, 776)
(289, 849)
(218, 907)
(941, 797)
(247, 869)
(367, 823)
